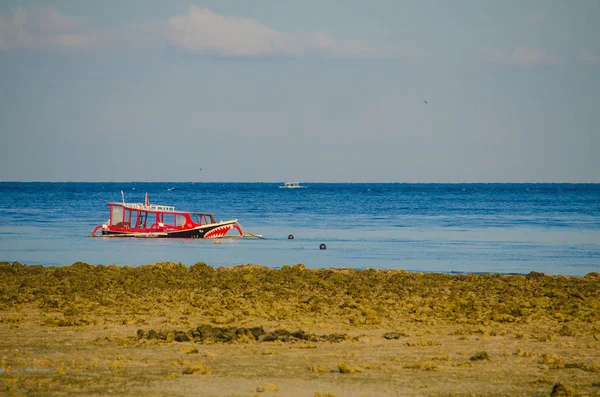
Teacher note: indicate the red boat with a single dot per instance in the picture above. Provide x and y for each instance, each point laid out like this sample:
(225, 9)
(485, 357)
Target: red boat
(152, 220)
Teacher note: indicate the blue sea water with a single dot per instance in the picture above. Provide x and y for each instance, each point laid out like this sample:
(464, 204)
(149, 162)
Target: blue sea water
(504, 228)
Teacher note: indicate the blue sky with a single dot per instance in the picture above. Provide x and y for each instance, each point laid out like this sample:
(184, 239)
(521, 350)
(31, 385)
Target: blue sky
(300, 90)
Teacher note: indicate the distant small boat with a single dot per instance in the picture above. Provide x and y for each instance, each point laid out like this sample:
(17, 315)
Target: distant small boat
(291, 185)
(171, 188)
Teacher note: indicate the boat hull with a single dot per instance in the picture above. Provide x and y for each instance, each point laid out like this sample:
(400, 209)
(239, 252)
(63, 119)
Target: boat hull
(216, 230)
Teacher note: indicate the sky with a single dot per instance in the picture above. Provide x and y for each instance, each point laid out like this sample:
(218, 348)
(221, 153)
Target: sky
(310, 91)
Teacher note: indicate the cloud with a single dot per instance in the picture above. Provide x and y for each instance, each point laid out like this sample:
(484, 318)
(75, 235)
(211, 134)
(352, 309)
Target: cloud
(198, 31)
(203, 31)
(206, 32)
(42, 29)
(589, 58)
(521, 56)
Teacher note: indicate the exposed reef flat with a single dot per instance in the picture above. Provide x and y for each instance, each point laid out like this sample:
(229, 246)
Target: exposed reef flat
(169, 329)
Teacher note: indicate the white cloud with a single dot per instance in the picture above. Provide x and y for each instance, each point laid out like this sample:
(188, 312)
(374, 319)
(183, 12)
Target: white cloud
(198, 31)
(44, 28)
(589, 58)
(521, 55)
(203, 31)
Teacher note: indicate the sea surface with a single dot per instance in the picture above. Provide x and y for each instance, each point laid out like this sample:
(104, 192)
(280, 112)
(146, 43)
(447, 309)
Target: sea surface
(465, 228)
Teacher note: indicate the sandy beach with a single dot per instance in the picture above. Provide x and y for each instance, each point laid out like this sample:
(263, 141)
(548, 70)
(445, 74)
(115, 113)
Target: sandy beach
(173, 330)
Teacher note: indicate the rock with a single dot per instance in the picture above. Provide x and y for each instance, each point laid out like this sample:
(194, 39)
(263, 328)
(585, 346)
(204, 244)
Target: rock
(301, 335)
(267, 387)
(335, 338)
(560, 390)
(256, 332)
(181, 336)
(197, 368)
(535, 276)
(268, 338)
(480, 356)
(593, 275)
(392, 335)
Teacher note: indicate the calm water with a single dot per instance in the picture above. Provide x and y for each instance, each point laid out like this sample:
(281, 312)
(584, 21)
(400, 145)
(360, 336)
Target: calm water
(505, 228)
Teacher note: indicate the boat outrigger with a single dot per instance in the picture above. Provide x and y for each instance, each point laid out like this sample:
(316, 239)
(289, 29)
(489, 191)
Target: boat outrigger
(152, 220)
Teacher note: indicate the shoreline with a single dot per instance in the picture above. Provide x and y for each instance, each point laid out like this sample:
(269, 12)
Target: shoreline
(280, 267)
(84, 328)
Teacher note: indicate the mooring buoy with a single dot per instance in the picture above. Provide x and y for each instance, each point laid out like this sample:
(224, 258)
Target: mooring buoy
(291, 237)
(322, 247)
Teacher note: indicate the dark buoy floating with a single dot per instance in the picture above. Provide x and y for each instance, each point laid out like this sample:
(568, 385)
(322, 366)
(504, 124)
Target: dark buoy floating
(322, 247)
(291, 237)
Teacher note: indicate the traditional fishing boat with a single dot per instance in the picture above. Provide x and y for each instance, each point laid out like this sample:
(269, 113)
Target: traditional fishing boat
(152, 220)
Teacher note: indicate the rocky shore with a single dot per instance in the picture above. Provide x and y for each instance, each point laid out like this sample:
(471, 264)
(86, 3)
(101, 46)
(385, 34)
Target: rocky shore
(171, 329)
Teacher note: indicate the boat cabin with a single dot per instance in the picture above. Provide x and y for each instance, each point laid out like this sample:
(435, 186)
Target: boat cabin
(137, 217)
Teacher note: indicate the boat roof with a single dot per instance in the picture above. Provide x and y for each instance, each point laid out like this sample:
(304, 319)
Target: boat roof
(153, 208)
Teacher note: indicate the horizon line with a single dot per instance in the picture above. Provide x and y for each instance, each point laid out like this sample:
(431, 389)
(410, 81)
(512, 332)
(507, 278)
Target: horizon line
(322, 182)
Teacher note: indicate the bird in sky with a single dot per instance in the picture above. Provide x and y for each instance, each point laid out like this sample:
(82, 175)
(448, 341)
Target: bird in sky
(199, 169)
(426, 103)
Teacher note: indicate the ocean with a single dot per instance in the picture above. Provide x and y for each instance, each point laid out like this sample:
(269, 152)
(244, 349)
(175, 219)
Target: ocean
(463, 228)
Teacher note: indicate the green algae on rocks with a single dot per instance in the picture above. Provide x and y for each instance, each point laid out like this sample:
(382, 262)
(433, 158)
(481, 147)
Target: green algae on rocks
(80, 294)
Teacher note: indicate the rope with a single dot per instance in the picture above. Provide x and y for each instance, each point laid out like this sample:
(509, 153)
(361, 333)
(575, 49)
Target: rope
(250, 234)
(246, 234)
